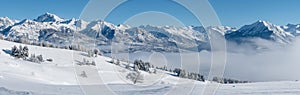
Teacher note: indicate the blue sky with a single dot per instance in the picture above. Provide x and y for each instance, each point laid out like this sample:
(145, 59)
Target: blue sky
(231, 12)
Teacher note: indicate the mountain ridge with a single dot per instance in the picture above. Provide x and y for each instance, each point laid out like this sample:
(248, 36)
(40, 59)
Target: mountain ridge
(55, 30)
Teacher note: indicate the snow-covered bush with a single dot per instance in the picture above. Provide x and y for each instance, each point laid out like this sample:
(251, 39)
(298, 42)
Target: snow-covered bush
(135, 77)
(127, 66)
(90, 53)
(21, 52)
(177, 71)
(40, 58)
(36, 59)
(112, 61)
(183, 74)
(83, 74)
(195, 76)
(118, 62)
(164, 68)
(140, 65)
(180, 73)
(32, 58)
(152, 70)
(93, 63)
(93, 53)
(228, 80)
(200, 77)
(1, 36)
(87, 62)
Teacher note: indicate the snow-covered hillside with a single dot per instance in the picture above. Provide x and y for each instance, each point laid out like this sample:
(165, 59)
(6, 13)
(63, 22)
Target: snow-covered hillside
(62, 76)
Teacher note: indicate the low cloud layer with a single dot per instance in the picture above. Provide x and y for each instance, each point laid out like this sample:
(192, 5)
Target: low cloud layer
(275, 64)
(272, 65)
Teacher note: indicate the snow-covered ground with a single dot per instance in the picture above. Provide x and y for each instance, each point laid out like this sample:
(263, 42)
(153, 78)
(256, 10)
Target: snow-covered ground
(63, 77)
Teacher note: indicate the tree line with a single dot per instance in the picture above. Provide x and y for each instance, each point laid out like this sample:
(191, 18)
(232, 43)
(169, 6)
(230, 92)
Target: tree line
(23, 53)
(74, 47)
(228, 80)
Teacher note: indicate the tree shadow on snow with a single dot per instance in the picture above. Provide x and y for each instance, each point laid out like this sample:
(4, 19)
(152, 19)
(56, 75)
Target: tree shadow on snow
(7, 51)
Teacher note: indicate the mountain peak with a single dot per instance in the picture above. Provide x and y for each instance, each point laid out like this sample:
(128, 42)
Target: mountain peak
(262, 29)
(4, 17)
(123, 26)
(48, 17)
(262, 22)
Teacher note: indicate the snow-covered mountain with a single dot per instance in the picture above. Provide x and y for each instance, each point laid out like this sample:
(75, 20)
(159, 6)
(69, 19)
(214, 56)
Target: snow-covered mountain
(53, 29)
(48, 17)
(261, 29)
(5, 22)
(292, 28)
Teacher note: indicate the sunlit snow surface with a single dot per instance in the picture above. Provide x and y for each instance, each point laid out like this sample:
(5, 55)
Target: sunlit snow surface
(60, 77)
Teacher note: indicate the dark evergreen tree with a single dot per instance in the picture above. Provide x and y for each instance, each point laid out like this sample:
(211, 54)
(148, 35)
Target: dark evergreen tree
(96, 52)
(20, 52)
(177, 71)
(25, 52)
(14, 51)
(140, 65)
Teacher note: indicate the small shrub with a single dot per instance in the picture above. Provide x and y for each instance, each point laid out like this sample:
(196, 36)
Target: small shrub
(93, 63)
(83, 74)
(1, 36)
(87, 62)
(140, 65)
(32, 58)
(40, 58)
(135, 77)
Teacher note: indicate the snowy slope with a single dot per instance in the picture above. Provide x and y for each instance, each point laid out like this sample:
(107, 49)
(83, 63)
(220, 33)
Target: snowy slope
(62, 77)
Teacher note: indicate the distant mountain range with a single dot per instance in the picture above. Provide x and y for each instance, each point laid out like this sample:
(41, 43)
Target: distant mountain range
(50, 28)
